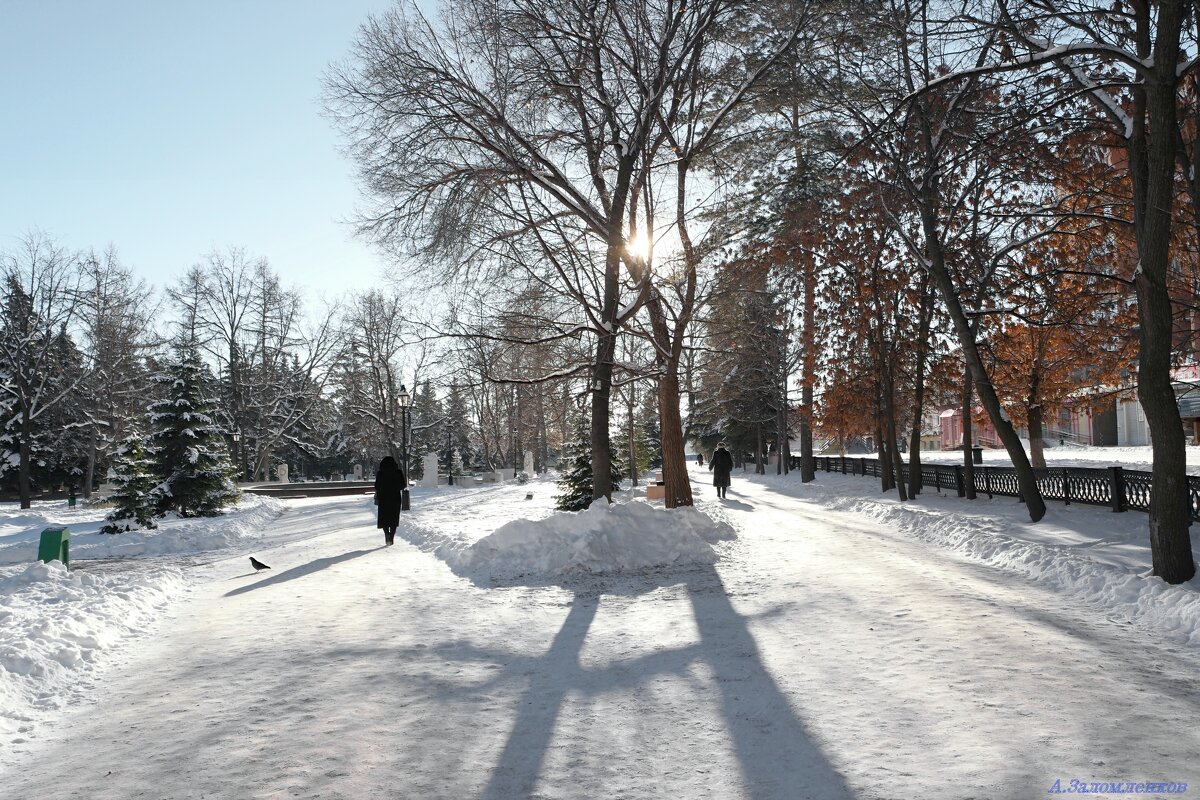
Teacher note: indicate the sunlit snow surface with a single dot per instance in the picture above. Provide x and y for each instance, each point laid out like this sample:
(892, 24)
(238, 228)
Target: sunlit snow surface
(841, 645)
(59, 629)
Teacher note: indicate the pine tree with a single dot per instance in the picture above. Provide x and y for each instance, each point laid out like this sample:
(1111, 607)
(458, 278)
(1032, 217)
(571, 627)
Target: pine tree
(134, 478)
(190, 455)
(576, 482)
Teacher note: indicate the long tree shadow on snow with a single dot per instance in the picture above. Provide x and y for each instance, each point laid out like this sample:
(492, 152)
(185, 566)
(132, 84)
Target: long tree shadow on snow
(776, 755)
(300, 571)
(520, 763)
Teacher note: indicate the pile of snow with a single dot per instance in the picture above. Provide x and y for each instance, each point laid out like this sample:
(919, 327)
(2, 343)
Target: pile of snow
(58, 627)
(603, 539)
(20, 531)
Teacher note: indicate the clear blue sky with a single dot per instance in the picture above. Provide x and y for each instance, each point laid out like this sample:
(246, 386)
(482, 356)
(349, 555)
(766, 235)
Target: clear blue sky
(174, 127)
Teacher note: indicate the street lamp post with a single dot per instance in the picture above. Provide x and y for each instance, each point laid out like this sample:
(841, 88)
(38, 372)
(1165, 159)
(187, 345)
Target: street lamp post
(404, 400)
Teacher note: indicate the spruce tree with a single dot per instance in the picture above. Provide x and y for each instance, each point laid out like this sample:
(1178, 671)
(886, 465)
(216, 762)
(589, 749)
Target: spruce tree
(134, 479)
(576, 482)
(190, 455)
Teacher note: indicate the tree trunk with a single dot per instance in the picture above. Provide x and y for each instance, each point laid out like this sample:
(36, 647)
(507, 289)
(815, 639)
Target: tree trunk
(808, 466)
(882, 456)
(677, 487)
(968, 396)
(544, 432)
(1152, 167)
(915, 482)
(1026, 482)
(602, 372)
(1037, 452)
(781, 446)
(896, 462)
(23, 468)
(565, 419)
(89, 474)
(633, 470)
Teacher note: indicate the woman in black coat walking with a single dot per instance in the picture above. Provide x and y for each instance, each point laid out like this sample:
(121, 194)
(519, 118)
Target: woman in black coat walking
(721, 464)
(390, 483)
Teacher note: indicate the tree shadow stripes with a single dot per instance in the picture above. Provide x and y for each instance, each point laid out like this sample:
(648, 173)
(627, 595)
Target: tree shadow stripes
(776, 755)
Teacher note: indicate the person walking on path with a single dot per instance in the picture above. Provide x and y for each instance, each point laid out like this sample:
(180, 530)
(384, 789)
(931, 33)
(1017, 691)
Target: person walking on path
(700, 459)
(390, 482)
(721, 464)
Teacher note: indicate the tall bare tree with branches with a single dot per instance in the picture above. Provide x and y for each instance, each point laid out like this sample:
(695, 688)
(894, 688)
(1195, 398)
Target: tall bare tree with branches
(529, 120)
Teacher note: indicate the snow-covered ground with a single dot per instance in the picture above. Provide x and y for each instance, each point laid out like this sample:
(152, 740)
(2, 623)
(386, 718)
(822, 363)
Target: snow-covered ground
(817, 640)
(60, 629)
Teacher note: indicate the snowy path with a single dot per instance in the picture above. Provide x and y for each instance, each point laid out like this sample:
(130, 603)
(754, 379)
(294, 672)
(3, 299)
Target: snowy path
(823, 657)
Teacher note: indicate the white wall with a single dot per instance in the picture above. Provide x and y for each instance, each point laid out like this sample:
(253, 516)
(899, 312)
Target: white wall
(1132, 430)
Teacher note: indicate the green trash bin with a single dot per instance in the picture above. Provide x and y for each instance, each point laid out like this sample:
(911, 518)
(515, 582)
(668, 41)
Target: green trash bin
(55, 545)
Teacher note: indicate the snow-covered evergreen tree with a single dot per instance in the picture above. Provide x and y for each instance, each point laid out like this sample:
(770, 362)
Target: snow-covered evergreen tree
(576, 481)
(133, 476)
(190, 455)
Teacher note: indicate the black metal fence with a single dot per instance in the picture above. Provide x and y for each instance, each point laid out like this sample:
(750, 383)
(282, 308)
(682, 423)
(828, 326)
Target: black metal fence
(1115, 487)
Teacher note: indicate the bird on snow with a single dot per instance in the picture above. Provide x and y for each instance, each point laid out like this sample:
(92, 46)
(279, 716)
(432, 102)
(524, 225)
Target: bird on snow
(258, 565)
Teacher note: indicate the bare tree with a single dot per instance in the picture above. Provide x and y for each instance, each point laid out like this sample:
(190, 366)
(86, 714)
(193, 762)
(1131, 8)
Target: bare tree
(272, 365)
(947, 156)
(527, 119)
(378, 353)
(117, 320)
(1132, 63)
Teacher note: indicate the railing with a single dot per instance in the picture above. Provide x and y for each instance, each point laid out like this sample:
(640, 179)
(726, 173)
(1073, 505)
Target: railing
(1065, 436)
(1116, 487)
(310, 489)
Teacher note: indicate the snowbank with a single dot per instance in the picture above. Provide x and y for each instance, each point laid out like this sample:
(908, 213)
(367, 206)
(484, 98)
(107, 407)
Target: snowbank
(1087, 553)
(603, 539)
(20, 531)
(57, 628)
